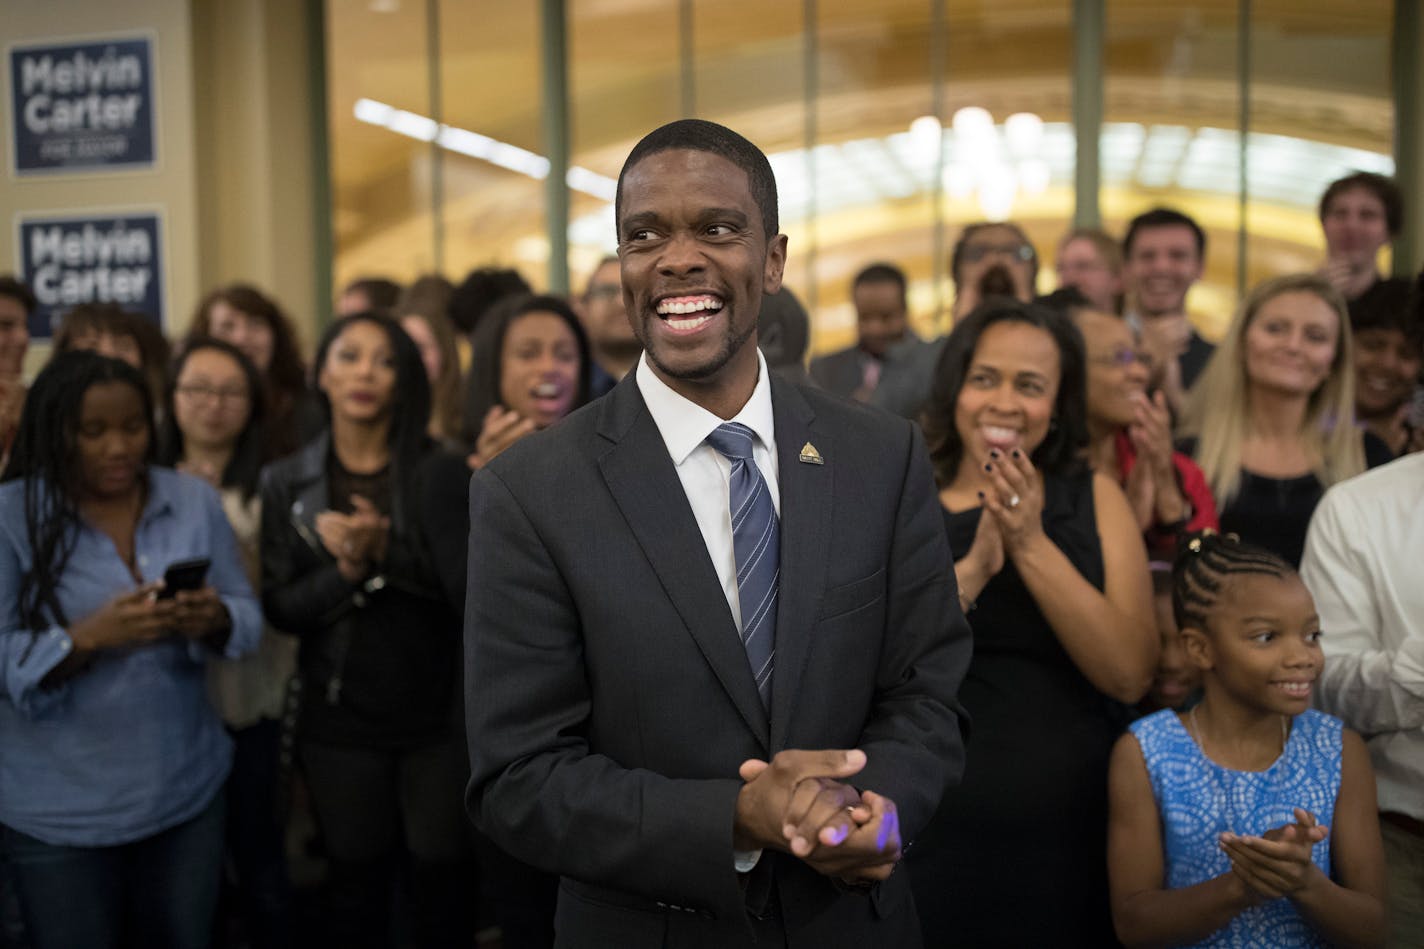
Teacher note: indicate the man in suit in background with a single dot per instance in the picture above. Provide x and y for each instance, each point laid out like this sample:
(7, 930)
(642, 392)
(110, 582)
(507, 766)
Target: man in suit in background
(886, 348)
(712, 633)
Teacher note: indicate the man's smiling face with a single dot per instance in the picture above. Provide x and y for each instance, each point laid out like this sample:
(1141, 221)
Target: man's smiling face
(695, 264)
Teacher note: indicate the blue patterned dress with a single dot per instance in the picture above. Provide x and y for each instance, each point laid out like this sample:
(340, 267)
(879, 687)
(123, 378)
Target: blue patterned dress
(1198, 799)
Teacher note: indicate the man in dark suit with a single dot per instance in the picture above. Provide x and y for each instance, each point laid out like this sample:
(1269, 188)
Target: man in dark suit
(712, 634)
(889, 366)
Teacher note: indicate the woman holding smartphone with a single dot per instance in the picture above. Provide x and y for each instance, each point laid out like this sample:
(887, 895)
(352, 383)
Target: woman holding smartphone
(111, 805)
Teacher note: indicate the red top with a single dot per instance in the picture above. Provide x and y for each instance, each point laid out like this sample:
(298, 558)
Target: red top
(1162, 539)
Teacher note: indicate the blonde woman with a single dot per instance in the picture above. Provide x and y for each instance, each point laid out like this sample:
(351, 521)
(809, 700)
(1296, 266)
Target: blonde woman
(1271, 422)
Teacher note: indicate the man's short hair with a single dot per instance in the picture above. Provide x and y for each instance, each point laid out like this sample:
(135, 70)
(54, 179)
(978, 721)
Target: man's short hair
(881, 273)
(1392, 305)
(1163, 217)
(699, 135)
(1104, 243)
(1382, 187)
(19, 291)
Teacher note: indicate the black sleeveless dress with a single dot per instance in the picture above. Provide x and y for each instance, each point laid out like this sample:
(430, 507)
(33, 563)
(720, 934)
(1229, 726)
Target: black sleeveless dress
(1016, 855)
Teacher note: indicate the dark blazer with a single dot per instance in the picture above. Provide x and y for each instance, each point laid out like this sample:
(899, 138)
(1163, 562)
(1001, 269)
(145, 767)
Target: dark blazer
(609, 701)
(841, 372)
(906, 374)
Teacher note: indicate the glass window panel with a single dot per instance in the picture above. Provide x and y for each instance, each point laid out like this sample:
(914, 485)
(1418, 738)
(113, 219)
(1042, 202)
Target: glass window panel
(1013, 60)
(1173, 69)
(494, 212)
(1320, 109)
(378, 107)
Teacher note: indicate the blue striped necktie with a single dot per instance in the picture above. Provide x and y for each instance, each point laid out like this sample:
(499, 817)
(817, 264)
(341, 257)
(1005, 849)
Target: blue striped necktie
(756, 541)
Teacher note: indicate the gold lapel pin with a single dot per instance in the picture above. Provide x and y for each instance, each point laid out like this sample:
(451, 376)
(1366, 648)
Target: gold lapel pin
(810, 456)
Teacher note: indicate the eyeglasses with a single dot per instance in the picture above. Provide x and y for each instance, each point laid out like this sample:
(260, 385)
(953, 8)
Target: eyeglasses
(1122, 358)
(202, 393)
(977, 252)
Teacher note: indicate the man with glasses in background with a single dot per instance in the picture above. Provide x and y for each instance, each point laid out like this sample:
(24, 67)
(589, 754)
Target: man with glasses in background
(615, 349)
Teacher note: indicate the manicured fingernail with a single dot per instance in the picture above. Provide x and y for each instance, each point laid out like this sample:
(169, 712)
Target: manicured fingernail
(988, 467)
(993, 453)
(1016, 453)
(981, 495)
(788, 831)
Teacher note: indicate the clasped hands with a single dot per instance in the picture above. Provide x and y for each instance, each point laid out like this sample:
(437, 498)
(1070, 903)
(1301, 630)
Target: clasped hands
(357, 540)
(798, 803)
(1277, 863)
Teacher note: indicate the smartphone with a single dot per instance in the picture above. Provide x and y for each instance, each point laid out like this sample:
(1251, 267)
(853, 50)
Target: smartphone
(184, 575)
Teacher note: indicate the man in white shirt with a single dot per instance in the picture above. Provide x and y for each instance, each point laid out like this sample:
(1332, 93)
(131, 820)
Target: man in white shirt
(712, 634)
(1362, 563)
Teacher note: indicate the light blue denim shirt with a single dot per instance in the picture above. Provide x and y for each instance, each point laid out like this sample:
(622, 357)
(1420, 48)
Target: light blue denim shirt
(130, 746)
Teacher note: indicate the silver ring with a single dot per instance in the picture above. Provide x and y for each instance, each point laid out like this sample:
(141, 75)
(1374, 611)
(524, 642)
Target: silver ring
(1014, 501)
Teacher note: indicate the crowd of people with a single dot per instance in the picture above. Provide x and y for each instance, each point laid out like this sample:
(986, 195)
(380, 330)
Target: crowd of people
(1179, 574)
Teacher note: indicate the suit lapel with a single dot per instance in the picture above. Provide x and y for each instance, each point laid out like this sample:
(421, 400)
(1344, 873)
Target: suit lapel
(645, 485)
(805, 543)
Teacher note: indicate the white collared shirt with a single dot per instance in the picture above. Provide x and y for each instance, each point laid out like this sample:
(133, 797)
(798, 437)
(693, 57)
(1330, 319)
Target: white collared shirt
(1361, 564)
(704, 471)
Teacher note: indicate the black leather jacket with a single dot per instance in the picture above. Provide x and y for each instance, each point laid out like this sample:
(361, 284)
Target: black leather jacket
(380, 658)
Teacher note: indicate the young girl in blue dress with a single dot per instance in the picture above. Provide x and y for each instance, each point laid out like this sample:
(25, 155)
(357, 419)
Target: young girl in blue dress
(1250, 819)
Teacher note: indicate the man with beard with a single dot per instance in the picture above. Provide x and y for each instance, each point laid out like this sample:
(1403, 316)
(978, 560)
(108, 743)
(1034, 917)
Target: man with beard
(615, 348)
(712, 634)
(1164, 253)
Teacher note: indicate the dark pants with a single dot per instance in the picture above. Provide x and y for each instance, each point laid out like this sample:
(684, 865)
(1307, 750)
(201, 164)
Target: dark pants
(158, 892)
(256, 847)
(371, 805)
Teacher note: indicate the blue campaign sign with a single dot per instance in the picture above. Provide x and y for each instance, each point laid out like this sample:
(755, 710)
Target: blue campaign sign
(82, 106)
(97, 258)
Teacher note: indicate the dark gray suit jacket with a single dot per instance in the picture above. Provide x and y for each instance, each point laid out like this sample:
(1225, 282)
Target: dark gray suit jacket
(610, 702)
(906, 374)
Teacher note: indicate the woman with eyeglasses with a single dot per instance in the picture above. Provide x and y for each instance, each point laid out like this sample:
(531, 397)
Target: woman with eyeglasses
(253, 322)
(1271, 422)
(1130, 433)
(992, 259)
(214, 429)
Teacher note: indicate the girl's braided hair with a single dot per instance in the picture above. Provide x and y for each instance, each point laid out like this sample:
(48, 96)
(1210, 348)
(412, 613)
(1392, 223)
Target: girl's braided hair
(1205, 563)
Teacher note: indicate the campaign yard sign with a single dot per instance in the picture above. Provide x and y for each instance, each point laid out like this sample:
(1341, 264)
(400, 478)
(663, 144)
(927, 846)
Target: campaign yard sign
(93, 258)
(82, 106)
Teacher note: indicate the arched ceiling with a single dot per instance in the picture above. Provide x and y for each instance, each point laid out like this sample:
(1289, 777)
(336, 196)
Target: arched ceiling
(1318, 68)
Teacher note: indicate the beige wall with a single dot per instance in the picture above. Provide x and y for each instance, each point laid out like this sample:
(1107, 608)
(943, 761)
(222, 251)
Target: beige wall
(234, 176)
(255, 114)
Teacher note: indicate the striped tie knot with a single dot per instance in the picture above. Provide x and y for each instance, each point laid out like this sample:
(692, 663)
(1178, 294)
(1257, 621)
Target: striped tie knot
(734, 440)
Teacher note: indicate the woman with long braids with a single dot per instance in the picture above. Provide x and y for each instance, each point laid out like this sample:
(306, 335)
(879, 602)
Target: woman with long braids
(111, 778)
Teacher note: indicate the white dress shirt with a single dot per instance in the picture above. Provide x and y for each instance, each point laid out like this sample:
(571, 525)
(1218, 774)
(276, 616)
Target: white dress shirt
(706, 476)
(1363, 559)
(706, 473)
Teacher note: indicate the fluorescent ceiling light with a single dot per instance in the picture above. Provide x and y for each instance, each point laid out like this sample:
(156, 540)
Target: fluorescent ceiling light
(473, 144)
